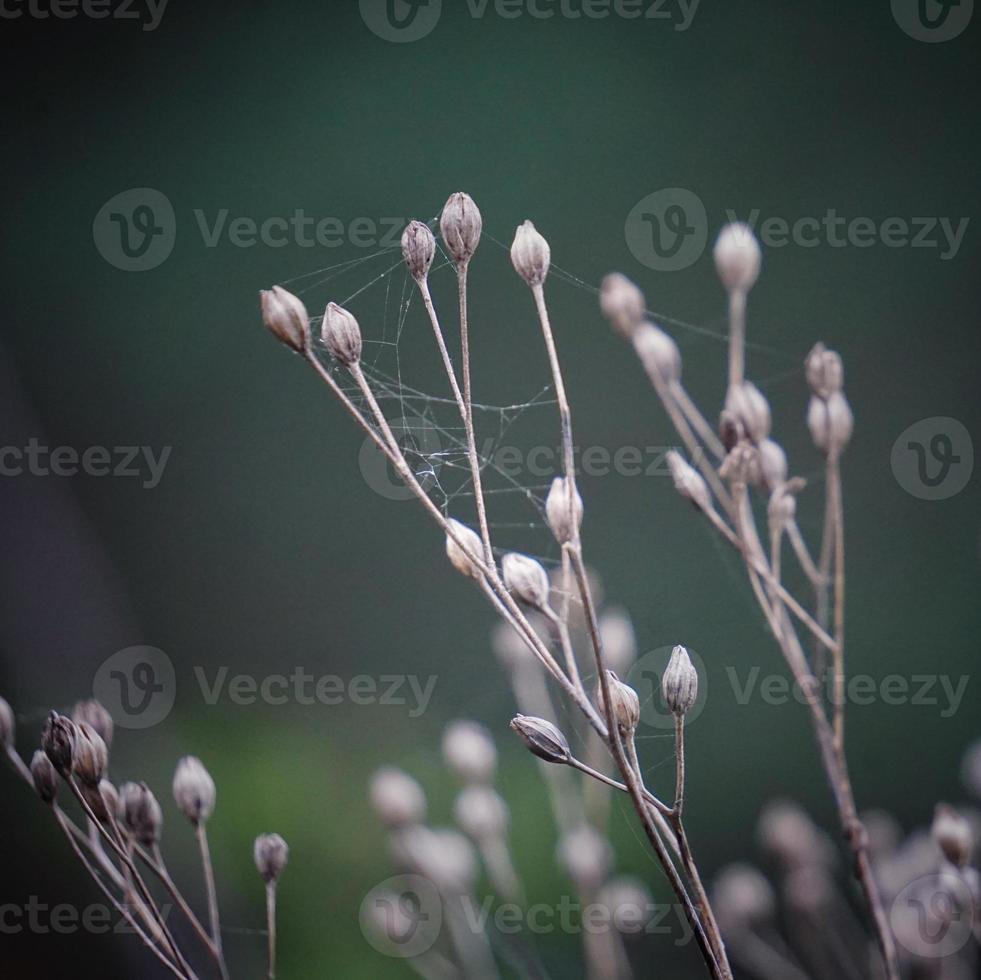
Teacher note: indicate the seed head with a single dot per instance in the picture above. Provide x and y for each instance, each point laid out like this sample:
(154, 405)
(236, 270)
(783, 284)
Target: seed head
(58, 741)
(481, 813)
(91, 755)
(341, 335)
(103, 799)
(622, 303)
(742, 465)
(626, 704)
(8, 725)
(657, 352)
(542, 738)
(563, 520)
(953, 835)
(737, 257)
(789, 835)
(95, 715)
(140, 813)
(585, 855)
(286, 316)
(45, 777)
(443, 856)
(418, 249)
(824, 371)
(680, 682)
(460, 225)
(510, 648)
(469, 751)
(530, 254)
(194, 789)
(271, 854)
(619, 640)
(749, 406)
(397, 798)
(466, 554)
(831, 422)
(526, 579)
(743, 898)
(688, 481)
(773, 464)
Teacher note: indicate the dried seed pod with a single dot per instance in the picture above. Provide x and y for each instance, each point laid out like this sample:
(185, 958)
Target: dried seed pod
(737, 257)
(749, 405)
(95, 715)
(731, 430)
(773, 464)
(952, 833)
(530, 254)
(782, 507)
(688, 481)
(91, 755)
(469, 751)
(286, 317)
(8, 725)
(526, 579)
(44, 776)
(622, 303)
(830, 422)
(194, 789)
(271, 853)
(585, 855)
(445, 857)
(58, 741)
(625, 702)
(460, 225)
(418, 249)
(742, 898)
(542, 738)
(510, 648)
(563, 521)
(742, 465)
(824, 371)
(397, 798)
(341, 335)
(657, 352)
(629, 903)
(104, 800)
(464, 549)
(680, 682)
(139, 812)
(481, 813)
(788, 834)
(619, 640)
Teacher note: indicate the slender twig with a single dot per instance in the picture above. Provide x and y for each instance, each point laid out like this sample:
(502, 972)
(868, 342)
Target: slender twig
(201, 833)
(271, 928)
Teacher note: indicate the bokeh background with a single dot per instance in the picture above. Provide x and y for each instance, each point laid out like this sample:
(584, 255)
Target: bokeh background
(263, 548)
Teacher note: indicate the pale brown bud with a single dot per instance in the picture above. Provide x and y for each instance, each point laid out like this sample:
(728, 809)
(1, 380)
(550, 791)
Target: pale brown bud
(286, 317)
(773, 464)
(464, 549)
(481, 813)
(58, 741)
(742, 465)
(94, 714)
(622, 303)
(737, 257)
(953, 835)
(530, 254)
(680, 682)
(418, 249)
(748, 404)
(140, 813)
(830, 422)
(91, 755)
(526, 579)
(271, 853)
(341, 335)
(657, 352)
(688, 482)
(563, 521)
(45, 777)
(625, 702)
(585, 855)
(469, 751)
(194, 789)
(397, 798)
(824, 371)
(103, 799)
(542, 738)
(8, 725)
(460, 225)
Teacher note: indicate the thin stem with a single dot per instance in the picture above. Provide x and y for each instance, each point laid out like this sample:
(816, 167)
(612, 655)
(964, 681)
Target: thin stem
(271, 928)
(803, 553)
(679, 757)
(737, 336)
(201, 833)
(838, 654)
(697, 420)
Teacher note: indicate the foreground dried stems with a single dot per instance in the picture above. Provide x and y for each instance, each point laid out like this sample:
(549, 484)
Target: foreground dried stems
(117, 832)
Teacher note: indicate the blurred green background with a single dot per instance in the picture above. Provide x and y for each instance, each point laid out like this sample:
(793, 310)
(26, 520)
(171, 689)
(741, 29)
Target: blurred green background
(262, 548)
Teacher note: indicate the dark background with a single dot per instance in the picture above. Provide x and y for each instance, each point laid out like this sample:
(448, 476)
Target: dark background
(263, 548)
